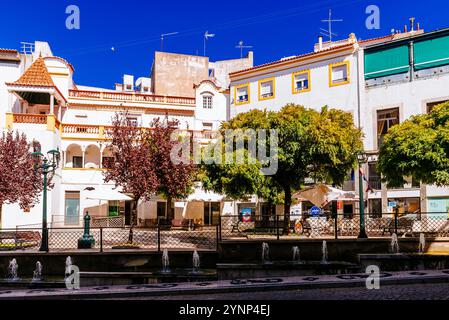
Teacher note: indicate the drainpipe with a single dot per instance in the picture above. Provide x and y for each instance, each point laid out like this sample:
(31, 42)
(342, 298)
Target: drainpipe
(412, 61)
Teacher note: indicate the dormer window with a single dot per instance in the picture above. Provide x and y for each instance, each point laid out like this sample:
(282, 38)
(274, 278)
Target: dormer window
(242, 94)
(207, 102)
(266, 89)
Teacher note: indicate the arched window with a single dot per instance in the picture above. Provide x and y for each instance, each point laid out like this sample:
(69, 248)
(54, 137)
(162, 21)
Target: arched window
(207, 100)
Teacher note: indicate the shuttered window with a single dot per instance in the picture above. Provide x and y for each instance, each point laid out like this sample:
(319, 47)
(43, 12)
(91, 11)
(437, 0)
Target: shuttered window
(431, 53)
(387, 62)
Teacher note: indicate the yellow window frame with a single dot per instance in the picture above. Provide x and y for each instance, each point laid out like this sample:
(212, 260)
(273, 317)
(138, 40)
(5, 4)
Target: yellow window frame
(273, 80)
(236, 101)
(294, 74)
(339, 64)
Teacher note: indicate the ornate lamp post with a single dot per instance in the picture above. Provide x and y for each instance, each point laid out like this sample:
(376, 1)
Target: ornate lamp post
(362, 159)
(49, 165)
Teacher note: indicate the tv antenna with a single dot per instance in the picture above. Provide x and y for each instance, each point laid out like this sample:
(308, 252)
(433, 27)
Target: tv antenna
(241, 46)
(166, 35)
(207, 35)
(328, 33)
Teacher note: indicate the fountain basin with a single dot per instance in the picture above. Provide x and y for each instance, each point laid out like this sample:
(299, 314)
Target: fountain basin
(405, 261)
(89, 279)
(228, 271)
(28, 283)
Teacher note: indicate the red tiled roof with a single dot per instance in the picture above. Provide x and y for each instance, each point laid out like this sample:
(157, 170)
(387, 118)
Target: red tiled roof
(36, 75)
(299, 57)
(8, 50)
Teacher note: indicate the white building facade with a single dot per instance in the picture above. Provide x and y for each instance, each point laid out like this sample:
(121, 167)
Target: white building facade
(39, 97)
(382, 82)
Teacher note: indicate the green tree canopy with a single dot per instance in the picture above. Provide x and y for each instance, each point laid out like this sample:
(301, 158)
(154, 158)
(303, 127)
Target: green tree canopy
(418, 148)
(319, 145)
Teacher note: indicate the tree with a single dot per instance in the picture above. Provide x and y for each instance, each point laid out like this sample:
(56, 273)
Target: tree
(319, 145)
(131, 168)
(417, 148)
(19, 181)
(175, 180)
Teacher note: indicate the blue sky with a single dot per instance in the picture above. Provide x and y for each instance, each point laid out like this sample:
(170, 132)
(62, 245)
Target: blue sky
(275, 28)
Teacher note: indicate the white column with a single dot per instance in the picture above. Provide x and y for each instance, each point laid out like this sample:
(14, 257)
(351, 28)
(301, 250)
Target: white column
(52, 104)
(83, 149)
(10, 102)
(102, 147)
(59, 112)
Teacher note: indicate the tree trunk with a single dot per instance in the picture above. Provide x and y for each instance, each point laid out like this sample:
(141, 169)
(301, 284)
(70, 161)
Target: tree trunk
(287, 206)
(168, 214)
(133, 221)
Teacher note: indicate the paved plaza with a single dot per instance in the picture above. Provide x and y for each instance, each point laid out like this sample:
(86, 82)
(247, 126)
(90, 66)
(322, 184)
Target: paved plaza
(348, 286)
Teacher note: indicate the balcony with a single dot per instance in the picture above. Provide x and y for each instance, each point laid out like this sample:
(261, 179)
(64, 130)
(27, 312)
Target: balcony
(86, 131)
(131, 97)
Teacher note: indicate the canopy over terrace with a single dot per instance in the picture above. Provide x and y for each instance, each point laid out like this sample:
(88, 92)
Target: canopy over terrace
(321, 195)
(36, 87)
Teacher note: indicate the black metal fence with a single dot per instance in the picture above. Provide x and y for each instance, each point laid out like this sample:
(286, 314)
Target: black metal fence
(335, 226)
(238, 227)
(156, 238)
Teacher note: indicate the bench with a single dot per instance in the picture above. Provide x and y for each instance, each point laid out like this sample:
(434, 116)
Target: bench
(20, 238)
(405, 225)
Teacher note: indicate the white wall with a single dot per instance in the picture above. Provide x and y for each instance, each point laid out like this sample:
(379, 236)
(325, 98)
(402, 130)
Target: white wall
(342, 97)
(217, 114)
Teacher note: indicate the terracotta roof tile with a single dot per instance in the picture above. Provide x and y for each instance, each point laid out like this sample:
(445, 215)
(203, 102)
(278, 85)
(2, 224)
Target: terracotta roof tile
(8, 50)
(36, 75)
(299, 57)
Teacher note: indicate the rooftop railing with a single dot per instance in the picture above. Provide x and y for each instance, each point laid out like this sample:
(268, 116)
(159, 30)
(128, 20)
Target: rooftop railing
(130, 97)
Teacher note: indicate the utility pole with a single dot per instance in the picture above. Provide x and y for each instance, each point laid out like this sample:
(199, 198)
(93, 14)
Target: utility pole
(207, 35)
(163, 37)
(241, 46)
(328, 33)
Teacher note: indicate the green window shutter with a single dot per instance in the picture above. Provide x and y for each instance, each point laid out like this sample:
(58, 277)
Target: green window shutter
(431, 53)
(387, 62)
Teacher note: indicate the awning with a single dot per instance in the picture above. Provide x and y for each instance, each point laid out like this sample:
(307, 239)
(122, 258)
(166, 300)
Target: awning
(107, 195)
(201, 195)
(322, 195)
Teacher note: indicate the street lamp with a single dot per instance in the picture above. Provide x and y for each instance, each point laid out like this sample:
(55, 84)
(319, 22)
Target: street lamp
(48, 165)
(362, 158)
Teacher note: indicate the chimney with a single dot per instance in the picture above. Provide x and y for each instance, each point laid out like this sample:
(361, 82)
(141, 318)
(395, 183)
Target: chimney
(320, 43)
(412, 24)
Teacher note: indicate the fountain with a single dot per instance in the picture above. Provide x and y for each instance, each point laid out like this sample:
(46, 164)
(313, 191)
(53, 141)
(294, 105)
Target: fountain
(324, 253)
(422, 243)
(37, 274)
(394, 245)
(166, 262)
(196, 262)
(68, 266)
(296, 255)
(265, 252)
(12, 270)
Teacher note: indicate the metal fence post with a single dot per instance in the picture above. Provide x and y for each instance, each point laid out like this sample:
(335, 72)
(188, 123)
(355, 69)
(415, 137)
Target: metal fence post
(336, 226)
(277, 227)
(218, 237)
(396, 220)
(220, 228)
(158, 238)
(101, 239)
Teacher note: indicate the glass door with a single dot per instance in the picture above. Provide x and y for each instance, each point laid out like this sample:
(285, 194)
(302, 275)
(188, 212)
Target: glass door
(72, 212)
